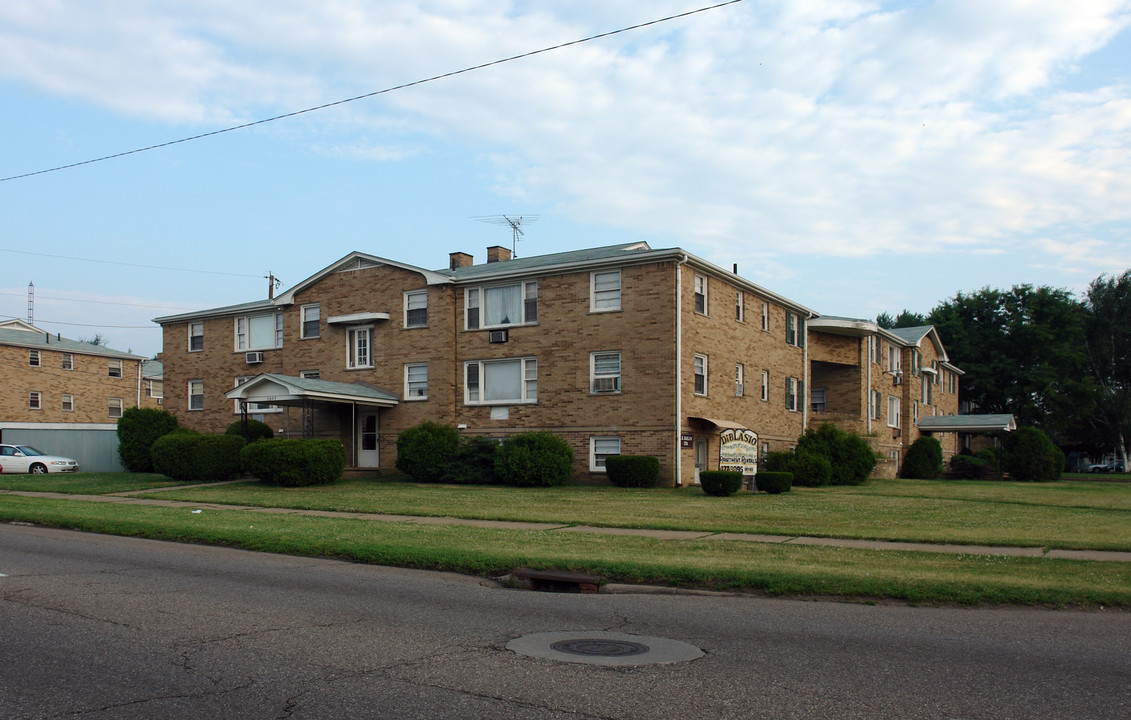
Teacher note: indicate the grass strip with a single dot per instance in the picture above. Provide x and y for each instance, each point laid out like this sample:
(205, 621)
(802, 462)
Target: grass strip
(1081, 516)
(921, 578)
(86, 483)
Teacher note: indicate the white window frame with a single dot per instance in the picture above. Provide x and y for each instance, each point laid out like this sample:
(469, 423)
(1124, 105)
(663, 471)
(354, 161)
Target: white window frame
(700, 291)
(875, 404)
(35, 400)
(475, 377)
(740, 307)
(739, 379)
(155, 389)
(699, 369)
(766, 385)
(818, 400)
(603, 371)
(197, 406)
(873, 349)
(242, 328)
(894, 412)
(792, 394)
(415, 384)
(254, 407)
(914, 412)
(115, 407)
(33, 358)
(354, 359)
(476, 299)
(114, 365)
(605, 291)
(600, 447)
(895, 358)
(193, 335)
(415, 300)
(305, 319)
(766, 316)
(68, 402)
(68, 361)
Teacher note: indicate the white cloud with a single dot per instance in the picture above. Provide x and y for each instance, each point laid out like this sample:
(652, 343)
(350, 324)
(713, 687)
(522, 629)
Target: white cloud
(829, 127)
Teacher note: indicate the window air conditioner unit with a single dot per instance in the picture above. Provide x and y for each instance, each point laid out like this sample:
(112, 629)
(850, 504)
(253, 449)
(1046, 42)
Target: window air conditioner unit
(497, 336)
(253, 358)
(604, 384)
(897, 379)
(160, 401)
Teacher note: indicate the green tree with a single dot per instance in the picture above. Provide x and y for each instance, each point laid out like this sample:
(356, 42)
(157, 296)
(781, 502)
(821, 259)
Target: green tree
(1023, 352)
(1109, 358)
(903, 320)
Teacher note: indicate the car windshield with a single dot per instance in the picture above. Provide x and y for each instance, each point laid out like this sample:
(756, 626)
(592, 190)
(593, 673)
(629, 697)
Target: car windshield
(28, 450)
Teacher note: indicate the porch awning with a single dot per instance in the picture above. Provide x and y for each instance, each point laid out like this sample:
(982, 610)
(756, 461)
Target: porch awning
(273, 389)
(723, 424)
(967, 423)
(357, 318)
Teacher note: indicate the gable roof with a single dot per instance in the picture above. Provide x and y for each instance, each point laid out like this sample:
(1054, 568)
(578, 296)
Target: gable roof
(21, 334)
(275, 389)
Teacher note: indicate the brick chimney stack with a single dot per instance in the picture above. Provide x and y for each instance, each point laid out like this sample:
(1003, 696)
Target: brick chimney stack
(498, 253)
(459, 259)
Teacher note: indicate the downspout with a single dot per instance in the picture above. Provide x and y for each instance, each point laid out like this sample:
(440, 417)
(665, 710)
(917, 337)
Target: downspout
(808, 390)
(139, 363)
(867, 364)
(679, 370)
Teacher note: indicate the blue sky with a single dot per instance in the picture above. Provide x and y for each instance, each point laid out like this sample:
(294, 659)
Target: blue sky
(857, 157)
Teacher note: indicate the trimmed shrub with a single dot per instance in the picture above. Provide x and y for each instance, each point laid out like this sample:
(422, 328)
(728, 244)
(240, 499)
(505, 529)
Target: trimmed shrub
(188, 455)
(720, 483)
(809, 469)
(851, 457)
(425, 452)
(256, 430)
(1030, 456)
(138, 429)
(991, 455)
(216, 457)
(534, 459)
(171, 453)
(776, 461)
(295, 462)
(474, 462)
(969, 467)
(633, 471)
(773, 482)
(923, 460)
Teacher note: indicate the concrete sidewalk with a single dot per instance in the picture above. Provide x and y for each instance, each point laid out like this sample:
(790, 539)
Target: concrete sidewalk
(127, 498)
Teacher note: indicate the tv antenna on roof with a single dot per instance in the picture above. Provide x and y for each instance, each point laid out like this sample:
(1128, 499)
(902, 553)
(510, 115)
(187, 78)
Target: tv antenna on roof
(514, 222)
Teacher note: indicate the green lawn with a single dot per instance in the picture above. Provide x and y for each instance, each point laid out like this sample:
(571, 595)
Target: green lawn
(1069, 514)
(772, 569)
(1077, 515)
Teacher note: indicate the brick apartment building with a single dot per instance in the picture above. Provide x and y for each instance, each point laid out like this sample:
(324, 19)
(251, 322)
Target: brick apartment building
(620, 349)
(64, 394)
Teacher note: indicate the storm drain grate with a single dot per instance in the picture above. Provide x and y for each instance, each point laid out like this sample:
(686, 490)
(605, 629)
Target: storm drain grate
(599, 647)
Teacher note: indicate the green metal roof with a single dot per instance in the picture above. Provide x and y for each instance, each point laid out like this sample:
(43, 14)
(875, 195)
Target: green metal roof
(47, 341)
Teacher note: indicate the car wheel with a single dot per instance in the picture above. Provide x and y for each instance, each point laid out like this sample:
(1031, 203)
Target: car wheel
(39, 469)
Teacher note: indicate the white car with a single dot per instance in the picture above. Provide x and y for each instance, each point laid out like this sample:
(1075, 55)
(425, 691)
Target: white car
(18, 459)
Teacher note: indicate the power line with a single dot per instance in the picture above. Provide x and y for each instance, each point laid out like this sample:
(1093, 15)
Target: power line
(92, 325)
(126, 264)
(101, 302)
(378, 92)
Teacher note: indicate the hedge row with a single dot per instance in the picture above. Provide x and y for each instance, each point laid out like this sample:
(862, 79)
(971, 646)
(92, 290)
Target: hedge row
(432, 452)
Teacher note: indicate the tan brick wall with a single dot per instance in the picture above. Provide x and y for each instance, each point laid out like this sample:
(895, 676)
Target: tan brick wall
(88, 382)
(726, 342)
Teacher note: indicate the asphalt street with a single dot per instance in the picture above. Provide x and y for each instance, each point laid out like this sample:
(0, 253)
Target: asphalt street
(109, 627)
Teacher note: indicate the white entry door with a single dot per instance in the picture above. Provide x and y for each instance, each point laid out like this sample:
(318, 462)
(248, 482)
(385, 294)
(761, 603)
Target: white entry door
(700, 457)
(367, 426)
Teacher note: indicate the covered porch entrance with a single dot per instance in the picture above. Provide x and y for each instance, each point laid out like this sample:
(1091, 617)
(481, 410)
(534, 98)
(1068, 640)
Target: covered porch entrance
(350, 412)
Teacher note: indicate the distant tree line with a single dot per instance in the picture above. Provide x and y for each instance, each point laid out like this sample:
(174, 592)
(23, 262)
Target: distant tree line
(1055, 361)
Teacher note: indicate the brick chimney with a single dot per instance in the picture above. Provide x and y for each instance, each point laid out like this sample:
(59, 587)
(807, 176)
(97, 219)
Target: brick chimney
(459, 259)
(498, 253)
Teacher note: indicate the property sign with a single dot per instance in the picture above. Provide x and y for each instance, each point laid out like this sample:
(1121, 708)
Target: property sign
(738, 450)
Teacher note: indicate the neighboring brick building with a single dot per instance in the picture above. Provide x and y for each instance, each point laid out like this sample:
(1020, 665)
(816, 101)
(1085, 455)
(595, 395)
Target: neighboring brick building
(620, 349)
(50, 379)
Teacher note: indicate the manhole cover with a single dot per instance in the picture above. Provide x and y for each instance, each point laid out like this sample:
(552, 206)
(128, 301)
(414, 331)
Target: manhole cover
(598, 647)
